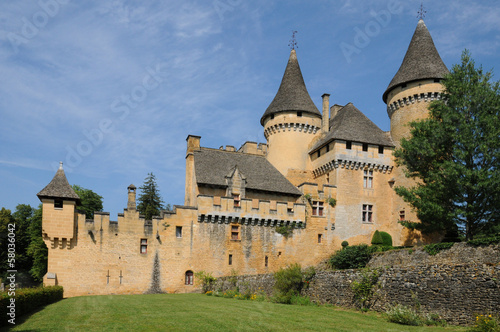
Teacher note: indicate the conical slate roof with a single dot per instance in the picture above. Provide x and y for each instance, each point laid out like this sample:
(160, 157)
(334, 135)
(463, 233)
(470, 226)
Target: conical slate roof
(422, 60)
(292, 94)
(350, 124)
(59, 188)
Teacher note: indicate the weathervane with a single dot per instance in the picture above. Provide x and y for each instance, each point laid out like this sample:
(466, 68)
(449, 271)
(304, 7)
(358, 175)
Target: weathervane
(293, 41)
(421, 12)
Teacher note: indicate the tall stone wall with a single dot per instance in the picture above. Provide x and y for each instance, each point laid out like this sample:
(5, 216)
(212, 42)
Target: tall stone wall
(456, 284)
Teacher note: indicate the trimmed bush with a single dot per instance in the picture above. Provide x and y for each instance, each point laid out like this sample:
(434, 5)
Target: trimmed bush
(351, 257)
(344, 244)
(28, 300)
(377, 238)
(386, 239)
(434, 248)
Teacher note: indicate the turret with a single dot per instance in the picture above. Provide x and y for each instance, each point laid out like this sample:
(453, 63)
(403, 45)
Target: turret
(131, 205)
(59, 201)
(290, 121)
(415, 85)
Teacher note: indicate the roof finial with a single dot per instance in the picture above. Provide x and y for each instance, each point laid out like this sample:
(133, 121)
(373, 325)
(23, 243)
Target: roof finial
(60, 165)
(293, 41)
(421, 12)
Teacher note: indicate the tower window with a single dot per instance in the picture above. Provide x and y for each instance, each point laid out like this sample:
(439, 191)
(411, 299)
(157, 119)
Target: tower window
(403, 85)
(367, 178)
(58, 203)
(320, 236)
(317, 208)
(380, 149)
(327, 147)
(319, 153)
(178, 231)
(230, 259)
(348, 145)
(299, 113)
(437, 80)
(272, 116)
(266, 261)
(365, 147)
(367, 213)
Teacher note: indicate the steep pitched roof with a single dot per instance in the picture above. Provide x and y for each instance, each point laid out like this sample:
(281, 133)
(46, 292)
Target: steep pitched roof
(350, 124)
(422, 60)
(59, 188)
(212, 166)
(292, 94)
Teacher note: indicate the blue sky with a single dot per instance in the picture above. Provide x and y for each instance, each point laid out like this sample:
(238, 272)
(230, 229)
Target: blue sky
(113, 88)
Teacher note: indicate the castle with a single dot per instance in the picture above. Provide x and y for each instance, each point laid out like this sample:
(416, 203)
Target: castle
(321, 178)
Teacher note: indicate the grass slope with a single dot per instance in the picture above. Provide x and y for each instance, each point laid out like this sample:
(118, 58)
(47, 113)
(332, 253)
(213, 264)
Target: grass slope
(196, 312)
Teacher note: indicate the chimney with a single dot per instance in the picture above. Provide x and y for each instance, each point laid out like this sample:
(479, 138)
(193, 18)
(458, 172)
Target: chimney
(131, 198)
(325, 123)
(334, 110)
(193, 144)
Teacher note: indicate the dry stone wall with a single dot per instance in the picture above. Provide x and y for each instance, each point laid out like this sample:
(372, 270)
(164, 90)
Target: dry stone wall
(456, 284)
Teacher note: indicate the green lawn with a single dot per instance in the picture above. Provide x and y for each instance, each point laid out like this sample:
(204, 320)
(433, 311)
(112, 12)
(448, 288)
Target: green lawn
(196, 312)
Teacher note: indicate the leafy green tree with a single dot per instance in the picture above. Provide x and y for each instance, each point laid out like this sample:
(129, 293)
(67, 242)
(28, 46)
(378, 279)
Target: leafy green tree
(454, 155)
(150, 202)
(91, 201)
(37, 249)
(22, 217)
(5, 219)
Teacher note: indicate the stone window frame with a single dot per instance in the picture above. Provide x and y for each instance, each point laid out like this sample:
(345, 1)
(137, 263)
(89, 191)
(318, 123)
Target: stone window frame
(237, 200)
(318, 208)
(402, 215)
(189, 278)
(144, 246)
(367, 213)
(235, 232)
(368, 178)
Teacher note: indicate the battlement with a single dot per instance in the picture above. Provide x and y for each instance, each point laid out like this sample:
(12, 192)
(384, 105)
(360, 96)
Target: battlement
(250, 211)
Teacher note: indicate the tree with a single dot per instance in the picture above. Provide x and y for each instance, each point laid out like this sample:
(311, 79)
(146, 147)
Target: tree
(91, 201)
(5, 219)
(150, 202)
(22, 217)
(37, 249)
(453, 156)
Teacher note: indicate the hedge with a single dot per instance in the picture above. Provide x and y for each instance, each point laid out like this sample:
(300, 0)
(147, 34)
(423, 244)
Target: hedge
(28, 300)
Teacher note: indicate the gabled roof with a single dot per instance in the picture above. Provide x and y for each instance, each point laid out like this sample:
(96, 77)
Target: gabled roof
(212, 166)
(292, 94)
(59, 188)
(422, 60)
(350, 124)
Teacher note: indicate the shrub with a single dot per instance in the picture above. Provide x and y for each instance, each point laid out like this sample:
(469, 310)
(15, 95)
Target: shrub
(351, 257)
(286, 231)
(486, 323)
(403, 315)
(332, 202)
(386, 239)
(365, 290)
(377, 238)
(288, 282)
(206, 279)
(29, 299)
(433, 249)
(485, 241)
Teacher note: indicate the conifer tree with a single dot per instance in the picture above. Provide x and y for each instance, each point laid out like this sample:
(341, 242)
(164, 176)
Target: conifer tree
(149, 202)
(454, 156)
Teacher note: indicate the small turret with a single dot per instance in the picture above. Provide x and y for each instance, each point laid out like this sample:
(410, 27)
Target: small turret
(59, 201)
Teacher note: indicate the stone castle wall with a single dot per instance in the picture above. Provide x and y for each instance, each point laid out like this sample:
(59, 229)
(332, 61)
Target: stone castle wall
(456, 284)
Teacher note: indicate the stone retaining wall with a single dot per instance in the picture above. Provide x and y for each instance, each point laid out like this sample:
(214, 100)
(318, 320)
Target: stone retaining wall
(455, 290)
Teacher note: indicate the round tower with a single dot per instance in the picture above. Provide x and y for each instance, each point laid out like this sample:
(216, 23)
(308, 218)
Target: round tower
(415, 85)
(291, 121)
